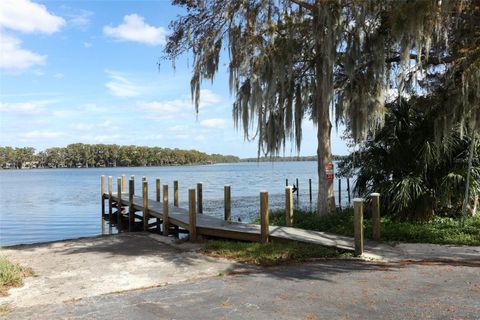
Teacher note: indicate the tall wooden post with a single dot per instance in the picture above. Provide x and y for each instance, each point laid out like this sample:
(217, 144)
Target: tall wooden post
(192, 215)
(131, 211)
(348, 191)
(227, 200)
(298, 190)
(124, 183)
(289, 206)
(145, 205)
(310, 189)
(340, 193)
(119, 204)
(166, 224)
(200, 198)
(157, 198)
(358, 225)
(157, 190)
(110, 201)
(102, 197)
(375, 216)
(175, 193)
(264, 230)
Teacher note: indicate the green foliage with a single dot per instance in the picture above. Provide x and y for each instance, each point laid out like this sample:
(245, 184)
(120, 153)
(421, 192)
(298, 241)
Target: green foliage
(106, 155)
(11, 275)
(269, 254)
(418, 175)
(440, 230)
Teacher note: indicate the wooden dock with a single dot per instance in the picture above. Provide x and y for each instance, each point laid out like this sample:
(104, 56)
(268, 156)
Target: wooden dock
(128, 211)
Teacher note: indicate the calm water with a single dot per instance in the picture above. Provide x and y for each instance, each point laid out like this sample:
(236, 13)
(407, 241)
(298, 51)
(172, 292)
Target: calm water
(53, 204)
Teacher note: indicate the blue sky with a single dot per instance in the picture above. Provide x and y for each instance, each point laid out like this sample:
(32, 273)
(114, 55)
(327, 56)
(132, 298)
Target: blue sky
(86, 71)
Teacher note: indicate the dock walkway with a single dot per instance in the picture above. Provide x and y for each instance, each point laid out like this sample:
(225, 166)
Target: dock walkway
(216, 227)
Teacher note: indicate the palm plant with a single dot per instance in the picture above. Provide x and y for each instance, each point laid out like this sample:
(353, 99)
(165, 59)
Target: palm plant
(418, 175)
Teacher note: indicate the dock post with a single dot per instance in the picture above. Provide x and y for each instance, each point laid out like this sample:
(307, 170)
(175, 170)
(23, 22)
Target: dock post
(200, 198)
(119, 204)
(289, 206)
(348, 191)
(340, 193)
(166, 224)
(175, 193)
(375, 216)
(110, 201)
(310, 189)
(124, 183)
(264, 230)
(298, 191)
(145, 205)
(192, 215)
(358, 225)
(157, 198)
(131, 211)
(102, 197)
(227, 200)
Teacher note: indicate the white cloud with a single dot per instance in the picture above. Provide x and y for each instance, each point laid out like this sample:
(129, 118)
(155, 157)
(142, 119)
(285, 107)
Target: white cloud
(87, 44)
(79, 19)
(28, 17)
(169, 109)
(214, 123)
(35, 134)
(24, 107)
(120, 86)
(135, 29)
(107, 124)
(14, 58)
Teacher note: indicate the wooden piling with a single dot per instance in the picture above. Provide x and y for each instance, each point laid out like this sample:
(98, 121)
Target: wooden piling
(375, 216)
(166, 224)
(157, 198)
(200, 198)
(131, 210)
(192, 215)
(298, 189)
(119, 204)
(348, 191)
(145, 205)
(310, 189)
(289, 206)
(227, 200)
(102, 197)
(264, 230)
(358, 225)
(124, 183)
(340, 193)
(110, 201)
(175, 193)
(102, 194)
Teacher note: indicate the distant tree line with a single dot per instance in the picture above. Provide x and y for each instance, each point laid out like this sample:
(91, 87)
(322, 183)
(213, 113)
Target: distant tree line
(299, 158)
(79, 155)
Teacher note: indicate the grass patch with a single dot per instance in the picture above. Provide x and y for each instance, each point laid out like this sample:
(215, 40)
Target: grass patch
(269, 254)
(440, 230)
(11, 275)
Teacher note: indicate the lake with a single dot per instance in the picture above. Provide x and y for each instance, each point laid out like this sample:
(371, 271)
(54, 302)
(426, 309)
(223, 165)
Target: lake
(55, 204)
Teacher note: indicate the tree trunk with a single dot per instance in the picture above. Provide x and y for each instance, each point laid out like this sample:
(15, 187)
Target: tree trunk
(326, 198)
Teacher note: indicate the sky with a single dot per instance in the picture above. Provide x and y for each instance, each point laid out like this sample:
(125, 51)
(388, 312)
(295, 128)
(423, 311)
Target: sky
(88, 71)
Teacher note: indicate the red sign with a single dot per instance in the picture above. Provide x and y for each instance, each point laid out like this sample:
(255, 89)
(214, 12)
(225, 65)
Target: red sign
(329, 171)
